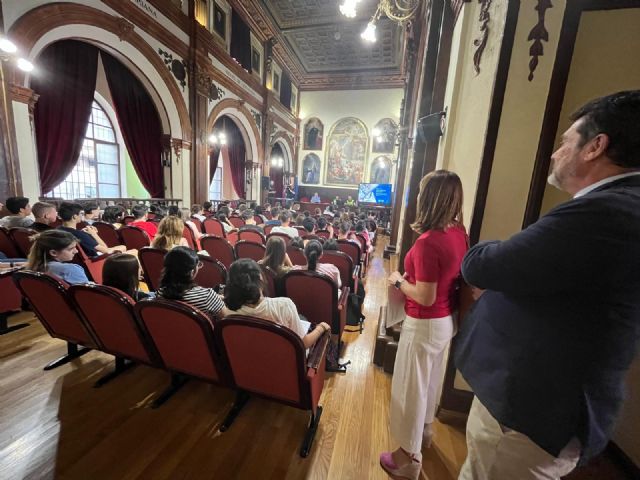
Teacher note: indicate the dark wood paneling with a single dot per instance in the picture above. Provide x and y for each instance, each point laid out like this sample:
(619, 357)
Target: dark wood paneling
(493, 124)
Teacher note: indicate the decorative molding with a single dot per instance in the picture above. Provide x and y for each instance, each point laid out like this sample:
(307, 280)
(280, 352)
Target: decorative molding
(257, 116)
(203, 83)
(124, 29)
(480, 43)
(215, 92)
(177, 145)
(177, 67)
(537, 34)
(24, 95)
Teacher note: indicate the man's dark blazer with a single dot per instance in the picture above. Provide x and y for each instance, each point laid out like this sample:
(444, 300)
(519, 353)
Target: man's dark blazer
(546, 347)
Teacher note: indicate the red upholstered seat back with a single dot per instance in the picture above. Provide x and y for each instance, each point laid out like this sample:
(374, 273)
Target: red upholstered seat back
(218, 248)
(110, 314)
(198, 223)
(251, 236)
(236, 221)
(267, 229)
(265, 358)
(10, 299)
(270, 282)
(189, 236)
(108, 233)
(7, 246)
(314, 294)
(363, 242)
(134, 238)
(151, 261)
(282, 235)
(246, 249)
(91, 265)
(323, 233)
(22, 239)
(182, 336)
(47, 296)
(343, 262)
(296, 255)
(350, 249)
(212, 274)
(213, 226)
(258, 219)
(127, 219)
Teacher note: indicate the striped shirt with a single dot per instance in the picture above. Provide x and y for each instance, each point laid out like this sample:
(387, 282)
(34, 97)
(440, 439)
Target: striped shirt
(204, 299)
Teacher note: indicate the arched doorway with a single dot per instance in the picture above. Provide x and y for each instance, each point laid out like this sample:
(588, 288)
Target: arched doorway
(276, 170)
(228, 158)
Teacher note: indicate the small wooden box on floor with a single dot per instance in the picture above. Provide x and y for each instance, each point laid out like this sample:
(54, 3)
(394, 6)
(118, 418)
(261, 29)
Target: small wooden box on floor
(384, 353)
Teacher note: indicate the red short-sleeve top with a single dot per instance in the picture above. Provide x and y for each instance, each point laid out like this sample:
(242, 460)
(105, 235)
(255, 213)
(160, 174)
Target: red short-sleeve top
(435, 257)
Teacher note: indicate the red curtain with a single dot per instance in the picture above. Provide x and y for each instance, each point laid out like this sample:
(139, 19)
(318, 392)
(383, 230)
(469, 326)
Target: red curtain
(66, 85)
(237, 156)
(214, 155)
(139, 123)
(277, 175)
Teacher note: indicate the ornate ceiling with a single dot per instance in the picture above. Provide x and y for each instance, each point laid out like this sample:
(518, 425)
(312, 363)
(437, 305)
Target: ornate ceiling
(328, 45)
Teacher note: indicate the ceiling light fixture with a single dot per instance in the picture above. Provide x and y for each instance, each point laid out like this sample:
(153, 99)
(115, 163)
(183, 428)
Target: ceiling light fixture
(8, 51)
(399, 11)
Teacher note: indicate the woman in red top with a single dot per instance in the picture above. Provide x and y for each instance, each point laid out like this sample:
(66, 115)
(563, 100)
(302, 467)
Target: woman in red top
(432, 267)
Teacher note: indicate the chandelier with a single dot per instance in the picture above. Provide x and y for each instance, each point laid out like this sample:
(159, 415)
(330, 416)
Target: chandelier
(397, 10)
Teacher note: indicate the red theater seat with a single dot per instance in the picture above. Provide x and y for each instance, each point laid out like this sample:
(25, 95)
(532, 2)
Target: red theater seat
(134, 238)
(7, 246)
(252, 236)
(108, 233)
(353, 250)
(269, 360)
(246, 249)
(92, 265)
(151, 261)
(213, 226)
(48, 298)
(198, 223)
(296, 255)
(271, 288)
(212, 274)
(236, 221)
(218, 248)
(22, 239)
(10, 302)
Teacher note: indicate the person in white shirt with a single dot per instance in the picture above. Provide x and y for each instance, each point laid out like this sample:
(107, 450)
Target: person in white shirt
(197, 212)
(284, 227)
(243, 295)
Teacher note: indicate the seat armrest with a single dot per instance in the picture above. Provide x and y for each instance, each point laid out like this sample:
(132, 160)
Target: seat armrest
(356, 271)
(344, 297)
(318, 351)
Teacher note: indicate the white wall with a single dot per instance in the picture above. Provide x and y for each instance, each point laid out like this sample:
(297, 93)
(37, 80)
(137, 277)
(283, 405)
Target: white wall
(369, 106)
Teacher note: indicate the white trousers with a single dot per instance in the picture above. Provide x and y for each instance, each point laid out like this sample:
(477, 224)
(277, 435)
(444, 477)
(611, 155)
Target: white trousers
(499, 453)
(417, 378)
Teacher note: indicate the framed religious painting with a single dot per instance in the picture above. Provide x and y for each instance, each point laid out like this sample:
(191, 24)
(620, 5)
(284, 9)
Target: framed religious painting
(311, 169)
(219, 20)
(384, 136)
(380, 171)
(346, 152)
(313, 132)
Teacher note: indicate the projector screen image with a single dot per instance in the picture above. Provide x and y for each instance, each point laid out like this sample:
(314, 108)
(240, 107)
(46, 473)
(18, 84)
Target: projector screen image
(377, 193)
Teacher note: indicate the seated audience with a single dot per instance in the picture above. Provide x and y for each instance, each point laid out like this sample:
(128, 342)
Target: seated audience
(226, 224)
(20, 211)
(275, 256)
(361, 229)
(51, 252)
(88, 236)
(45, 214)
(259, 211)
(169, 235)
(323, 224)
(197, 212)
(6, 262)
(317, 212)
(91, 212)
(330, 244)
(309, 225)
(275, 212)
(243, 295)
(285, 227)
(329, 211)
(184, 213)
(139, 213)
(350, 202)
(313, 254)
(207, 209)
(114, 214)
(337, 201)
(250, 222)
(315, 198)
(122, 271)
(345, 233)
(181, 266)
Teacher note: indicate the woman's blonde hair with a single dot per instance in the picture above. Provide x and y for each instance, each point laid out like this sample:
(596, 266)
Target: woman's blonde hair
(43, 243)
(439, 202)
(170, 232)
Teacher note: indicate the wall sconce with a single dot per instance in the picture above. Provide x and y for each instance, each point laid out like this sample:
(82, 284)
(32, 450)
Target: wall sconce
(277, 161)
(8, 51)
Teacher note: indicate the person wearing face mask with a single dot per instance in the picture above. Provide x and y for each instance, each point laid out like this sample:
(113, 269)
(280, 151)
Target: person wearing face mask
(52, 251)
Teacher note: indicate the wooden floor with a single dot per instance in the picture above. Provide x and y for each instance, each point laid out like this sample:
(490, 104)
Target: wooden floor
(55, 425)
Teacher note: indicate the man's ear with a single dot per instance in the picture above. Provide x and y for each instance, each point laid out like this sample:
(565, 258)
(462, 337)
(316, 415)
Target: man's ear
(596, 147)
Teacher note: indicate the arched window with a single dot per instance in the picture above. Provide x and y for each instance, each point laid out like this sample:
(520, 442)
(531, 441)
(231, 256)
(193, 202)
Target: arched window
(215, 189)
(97, 172)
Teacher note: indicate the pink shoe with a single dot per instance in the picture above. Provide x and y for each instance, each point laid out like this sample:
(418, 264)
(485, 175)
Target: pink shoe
(408, 471)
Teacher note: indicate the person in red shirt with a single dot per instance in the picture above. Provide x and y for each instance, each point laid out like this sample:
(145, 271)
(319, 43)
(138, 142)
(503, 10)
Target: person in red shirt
(432, 269)
(139, 213)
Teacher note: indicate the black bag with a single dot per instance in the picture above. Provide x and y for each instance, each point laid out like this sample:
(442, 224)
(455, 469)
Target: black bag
(355, 317)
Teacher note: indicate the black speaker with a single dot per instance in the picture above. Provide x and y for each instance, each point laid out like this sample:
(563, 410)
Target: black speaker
(265, 183)
(431, 127)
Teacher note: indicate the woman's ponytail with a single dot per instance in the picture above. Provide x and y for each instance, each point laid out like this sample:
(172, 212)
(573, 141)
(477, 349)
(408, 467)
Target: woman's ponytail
(313, 252)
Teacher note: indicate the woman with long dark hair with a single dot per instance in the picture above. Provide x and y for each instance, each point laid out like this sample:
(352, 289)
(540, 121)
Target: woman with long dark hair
(275, 256)
(181, 266)
(51, 252)
(313, 254)
(243, 295)
(122, 271)
(432, 268)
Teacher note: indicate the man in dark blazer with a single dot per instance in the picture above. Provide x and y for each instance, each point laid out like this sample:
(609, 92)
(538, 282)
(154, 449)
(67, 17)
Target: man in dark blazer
(547, 345)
